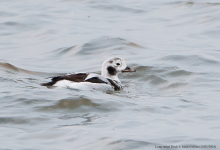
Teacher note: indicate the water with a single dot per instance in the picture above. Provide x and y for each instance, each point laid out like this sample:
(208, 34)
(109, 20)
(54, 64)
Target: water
(172, 99)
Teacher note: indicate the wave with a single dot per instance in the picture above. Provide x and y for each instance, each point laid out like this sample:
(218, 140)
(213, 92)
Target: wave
(11, 69)
(96, 47)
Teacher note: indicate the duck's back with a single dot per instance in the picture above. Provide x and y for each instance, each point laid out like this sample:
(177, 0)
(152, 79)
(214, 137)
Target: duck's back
(82, 81)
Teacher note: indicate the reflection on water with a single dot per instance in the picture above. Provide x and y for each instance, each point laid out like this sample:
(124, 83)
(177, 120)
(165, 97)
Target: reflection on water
(172, 99)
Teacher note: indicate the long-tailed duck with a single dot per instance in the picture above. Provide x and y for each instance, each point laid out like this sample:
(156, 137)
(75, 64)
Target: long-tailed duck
(106, 82)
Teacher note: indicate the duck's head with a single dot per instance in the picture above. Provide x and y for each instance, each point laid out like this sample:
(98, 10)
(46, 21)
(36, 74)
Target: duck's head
(114, 65)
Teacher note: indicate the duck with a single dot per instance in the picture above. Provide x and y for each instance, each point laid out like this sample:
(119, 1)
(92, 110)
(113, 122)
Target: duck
(108, 81)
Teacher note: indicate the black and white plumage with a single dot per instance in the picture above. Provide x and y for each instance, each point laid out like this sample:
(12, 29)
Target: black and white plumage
(107, 81)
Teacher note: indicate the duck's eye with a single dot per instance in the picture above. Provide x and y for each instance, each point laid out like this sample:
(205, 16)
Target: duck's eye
(118, 64)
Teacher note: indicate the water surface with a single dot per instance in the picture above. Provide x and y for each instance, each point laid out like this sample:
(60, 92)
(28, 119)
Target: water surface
(172, 99)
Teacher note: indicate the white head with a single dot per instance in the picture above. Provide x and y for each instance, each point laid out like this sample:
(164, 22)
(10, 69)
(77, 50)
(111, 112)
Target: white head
(114, 65)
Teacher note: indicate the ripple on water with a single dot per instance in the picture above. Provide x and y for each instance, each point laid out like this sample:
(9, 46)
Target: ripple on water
(120, 8)
(194, 60)
(161, 77)
(130, 144)
(96, 46)
(13, 120)
(11, 69)
(178, 73)
(22, 122)
(81, 104)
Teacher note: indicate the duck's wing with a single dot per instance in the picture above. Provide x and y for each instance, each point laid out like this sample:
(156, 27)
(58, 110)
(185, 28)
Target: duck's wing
(96, 78)
(78, 77)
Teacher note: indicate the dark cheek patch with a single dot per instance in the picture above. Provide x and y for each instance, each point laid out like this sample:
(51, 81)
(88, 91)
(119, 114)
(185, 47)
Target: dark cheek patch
(112, 71)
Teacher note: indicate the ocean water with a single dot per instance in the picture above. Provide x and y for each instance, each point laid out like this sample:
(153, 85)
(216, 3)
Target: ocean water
(172, 99)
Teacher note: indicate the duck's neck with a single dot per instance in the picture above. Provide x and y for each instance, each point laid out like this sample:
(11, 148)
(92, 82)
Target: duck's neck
(115, 77)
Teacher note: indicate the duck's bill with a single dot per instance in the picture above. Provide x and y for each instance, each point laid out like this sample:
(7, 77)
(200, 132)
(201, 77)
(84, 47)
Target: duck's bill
(128, 69)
